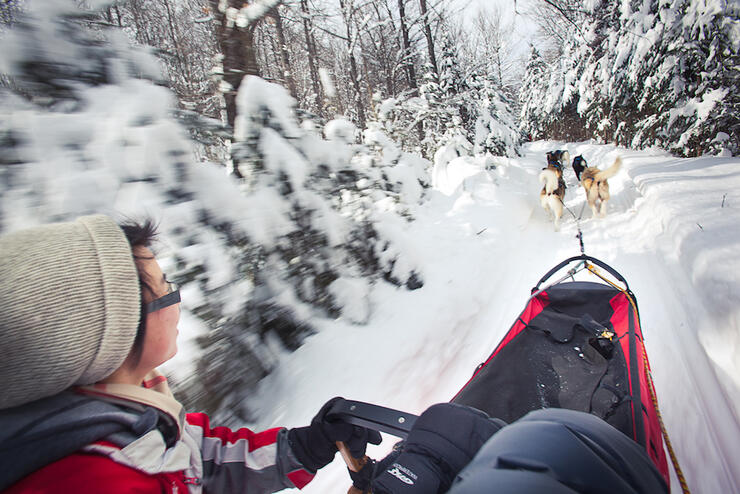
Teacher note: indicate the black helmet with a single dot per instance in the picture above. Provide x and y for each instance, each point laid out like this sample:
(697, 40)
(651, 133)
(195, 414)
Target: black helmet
(559, 451)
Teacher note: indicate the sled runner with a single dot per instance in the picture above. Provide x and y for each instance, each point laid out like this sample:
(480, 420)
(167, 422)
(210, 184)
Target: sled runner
(576, 345)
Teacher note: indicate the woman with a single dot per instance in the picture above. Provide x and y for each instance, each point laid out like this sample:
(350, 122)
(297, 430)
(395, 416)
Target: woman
(87, 316)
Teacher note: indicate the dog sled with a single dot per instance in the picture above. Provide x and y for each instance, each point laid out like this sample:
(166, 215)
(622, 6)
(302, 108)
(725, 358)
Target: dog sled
(576, 345)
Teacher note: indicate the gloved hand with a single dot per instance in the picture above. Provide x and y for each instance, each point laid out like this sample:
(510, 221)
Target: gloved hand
(443, 440)
(315, 445)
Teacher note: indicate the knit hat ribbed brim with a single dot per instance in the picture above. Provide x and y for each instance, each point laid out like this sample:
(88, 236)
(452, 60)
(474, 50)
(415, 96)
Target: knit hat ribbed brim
(69, 307)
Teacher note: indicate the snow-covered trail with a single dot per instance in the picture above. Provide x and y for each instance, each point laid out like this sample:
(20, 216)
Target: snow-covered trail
(481, 249)
(700, 412)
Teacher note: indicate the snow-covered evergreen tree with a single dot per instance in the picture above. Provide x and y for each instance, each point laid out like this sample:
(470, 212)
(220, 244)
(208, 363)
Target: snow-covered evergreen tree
(532, 95)
(643, 73)
(86, 126)
(495, 130)
(451, 78)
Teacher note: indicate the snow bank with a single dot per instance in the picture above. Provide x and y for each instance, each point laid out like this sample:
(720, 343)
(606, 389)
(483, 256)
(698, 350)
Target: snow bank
(482, 246)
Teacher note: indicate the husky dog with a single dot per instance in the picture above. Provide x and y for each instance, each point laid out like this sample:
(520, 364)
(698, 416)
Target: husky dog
(553, 192)
(558, 158)
(595, 183)
(579, 164)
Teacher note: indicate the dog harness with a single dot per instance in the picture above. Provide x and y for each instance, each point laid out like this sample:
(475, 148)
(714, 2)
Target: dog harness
(554, 159)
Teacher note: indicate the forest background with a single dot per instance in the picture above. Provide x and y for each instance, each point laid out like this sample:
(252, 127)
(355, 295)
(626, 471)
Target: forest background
(302, 134)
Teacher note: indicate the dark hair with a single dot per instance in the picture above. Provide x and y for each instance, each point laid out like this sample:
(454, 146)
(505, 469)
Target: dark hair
(140, 235)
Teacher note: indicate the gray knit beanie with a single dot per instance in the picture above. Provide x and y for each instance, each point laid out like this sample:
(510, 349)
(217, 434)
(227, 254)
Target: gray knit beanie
(69, 307)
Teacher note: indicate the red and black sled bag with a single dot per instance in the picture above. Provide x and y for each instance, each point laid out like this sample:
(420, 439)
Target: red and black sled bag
(576, 345)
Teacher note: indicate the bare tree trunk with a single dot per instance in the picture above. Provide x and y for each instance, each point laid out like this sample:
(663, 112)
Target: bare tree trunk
(429, 37)
(183, 67)
(347, 11)
(409, 62)
(493, 34)
(277, 60)
(406, 40)
(142, 34)
(312, 56)
(118, 15)
(283, 49)
(385, 62)
(109, 15)
(368, 82)
(355, 76)
(239, 53)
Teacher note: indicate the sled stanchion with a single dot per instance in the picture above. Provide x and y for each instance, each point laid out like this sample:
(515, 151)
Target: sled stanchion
(582, 257)
(570, 274)
(354, 464)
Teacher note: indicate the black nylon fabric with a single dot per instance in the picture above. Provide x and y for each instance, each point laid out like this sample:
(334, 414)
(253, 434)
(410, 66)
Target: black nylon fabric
(559, 361)
(560, 451)
(443, 440)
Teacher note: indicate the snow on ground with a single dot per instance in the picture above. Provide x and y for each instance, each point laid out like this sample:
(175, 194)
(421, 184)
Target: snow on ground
(671, 231)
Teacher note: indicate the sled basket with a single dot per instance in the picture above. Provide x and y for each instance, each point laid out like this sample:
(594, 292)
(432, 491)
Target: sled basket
(576, 345)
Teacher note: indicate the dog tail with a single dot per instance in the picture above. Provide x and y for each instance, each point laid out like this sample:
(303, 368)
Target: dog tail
(550, 179)
(609, 172)
(565, 159)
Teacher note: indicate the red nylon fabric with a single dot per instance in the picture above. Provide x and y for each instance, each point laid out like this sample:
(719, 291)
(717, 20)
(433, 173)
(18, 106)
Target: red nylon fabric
(620, 321)
(154, 381)
(90, 473)
(255, 440)
(101, 476)
(300, 478)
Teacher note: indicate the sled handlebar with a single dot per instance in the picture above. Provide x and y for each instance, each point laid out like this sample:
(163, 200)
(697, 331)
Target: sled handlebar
(373, 417)
(584, 258)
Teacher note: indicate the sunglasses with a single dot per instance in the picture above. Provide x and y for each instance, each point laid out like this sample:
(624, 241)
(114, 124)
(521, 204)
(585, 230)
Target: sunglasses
(172, 298)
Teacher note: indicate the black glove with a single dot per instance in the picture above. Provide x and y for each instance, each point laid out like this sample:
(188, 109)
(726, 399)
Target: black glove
(443, 440)
(315, 445)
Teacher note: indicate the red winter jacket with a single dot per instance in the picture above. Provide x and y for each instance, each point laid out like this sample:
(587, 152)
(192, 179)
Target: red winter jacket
(169, 452)
(91, 473)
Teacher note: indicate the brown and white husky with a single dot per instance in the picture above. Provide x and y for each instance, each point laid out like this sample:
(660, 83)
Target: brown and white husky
(595, 183)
